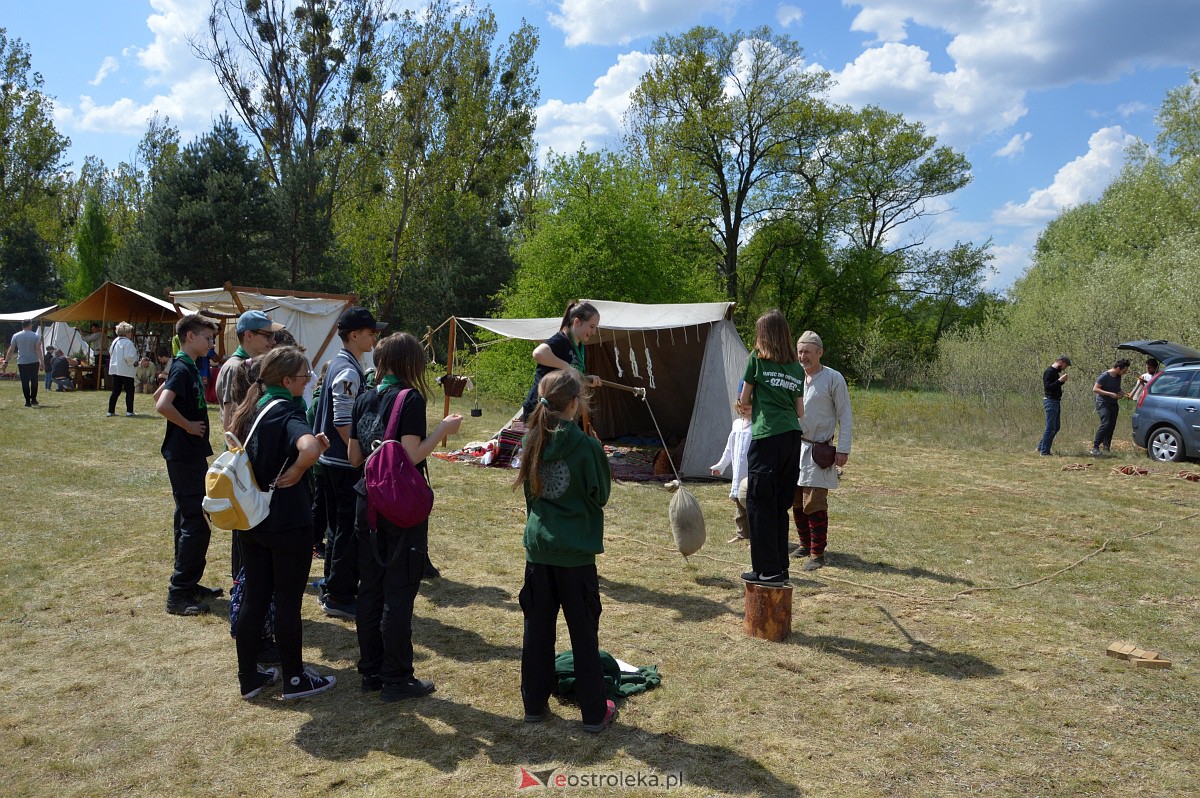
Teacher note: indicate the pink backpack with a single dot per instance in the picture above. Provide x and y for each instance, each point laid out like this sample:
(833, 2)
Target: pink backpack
(395, 488)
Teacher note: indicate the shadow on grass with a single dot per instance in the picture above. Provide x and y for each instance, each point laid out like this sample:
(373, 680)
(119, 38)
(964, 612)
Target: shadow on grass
(443, 592)
(855, 563)
(916, 656)
(444, 734)
(457, 643)
(687, 607)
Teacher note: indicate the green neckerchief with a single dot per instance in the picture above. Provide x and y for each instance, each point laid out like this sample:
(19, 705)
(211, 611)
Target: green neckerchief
(242, 353)
(200, 403)
(578, 347)
(271, 392)
(387, 382)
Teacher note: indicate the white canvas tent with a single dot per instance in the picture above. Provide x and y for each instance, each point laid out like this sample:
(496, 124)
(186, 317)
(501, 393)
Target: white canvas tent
(311, 318)
(688, 357)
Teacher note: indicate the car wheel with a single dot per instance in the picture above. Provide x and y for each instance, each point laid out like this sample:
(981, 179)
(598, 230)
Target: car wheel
(1165, 446)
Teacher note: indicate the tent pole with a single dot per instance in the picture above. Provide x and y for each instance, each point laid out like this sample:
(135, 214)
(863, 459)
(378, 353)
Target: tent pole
(449, 371)
(100, 354)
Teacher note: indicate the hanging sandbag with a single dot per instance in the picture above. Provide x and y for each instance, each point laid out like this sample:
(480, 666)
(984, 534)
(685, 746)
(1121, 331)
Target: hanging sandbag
(687, 520)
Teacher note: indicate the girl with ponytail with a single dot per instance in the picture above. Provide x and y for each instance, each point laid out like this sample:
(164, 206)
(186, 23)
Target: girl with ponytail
(564, 349)
(276, 554)
(566, 479)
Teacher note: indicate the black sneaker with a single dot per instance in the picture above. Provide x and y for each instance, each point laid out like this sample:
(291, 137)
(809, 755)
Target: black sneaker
(754, 577)
(814, 563)
(538, 717)
(610, 714)
(259, 681)
(309, 682)
(431, 572)
(413, 688)
(186, 606)
(371, 683)
(205, 593)
(33, 402)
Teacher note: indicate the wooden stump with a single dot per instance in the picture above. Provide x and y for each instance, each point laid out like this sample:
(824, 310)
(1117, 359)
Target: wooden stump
(768, 611)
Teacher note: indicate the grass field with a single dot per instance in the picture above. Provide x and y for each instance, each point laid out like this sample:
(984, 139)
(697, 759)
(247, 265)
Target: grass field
(914, 667)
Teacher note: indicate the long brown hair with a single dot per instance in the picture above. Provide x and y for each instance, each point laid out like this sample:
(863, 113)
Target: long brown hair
(402, 356)
(578, 310)
(773, 338)
(270, 369)
(555, 392)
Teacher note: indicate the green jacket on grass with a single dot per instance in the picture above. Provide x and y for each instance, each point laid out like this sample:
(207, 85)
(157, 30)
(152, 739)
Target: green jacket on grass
(565, 526)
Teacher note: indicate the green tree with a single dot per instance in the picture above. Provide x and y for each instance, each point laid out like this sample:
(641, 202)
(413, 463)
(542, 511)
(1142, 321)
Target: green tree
(133, 184)
(448, 135)
(28, 279)
(603, 231)
(211, 218)
(94, 247)
(717, 115)
(294, 72)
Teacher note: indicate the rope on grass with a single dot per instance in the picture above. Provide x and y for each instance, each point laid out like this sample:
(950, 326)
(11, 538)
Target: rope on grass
(949, 599)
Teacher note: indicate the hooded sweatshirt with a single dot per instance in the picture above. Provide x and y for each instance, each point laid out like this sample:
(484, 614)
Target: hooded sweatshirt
(565, 526)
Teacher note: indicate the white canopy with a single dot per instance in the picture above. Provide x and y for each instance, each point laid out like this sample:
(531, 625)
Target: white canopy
(28, 314)
(310, 318)
(614, 316)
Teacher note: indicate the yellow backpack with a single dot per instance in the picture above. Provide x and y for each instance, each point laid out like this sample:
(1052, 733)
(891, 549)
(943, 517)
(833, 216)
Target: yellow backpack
(232, 498)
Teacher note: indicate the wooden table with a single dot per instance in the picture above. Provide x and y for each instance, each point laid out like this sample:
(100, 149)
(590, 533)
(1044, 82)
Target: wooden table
(84, 377)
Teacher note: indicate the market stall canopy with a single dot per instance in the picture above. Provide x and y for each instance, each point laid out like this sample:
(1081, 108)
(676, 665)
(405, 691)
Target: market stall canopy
(614, 316)
(310, 317)
(113, 303)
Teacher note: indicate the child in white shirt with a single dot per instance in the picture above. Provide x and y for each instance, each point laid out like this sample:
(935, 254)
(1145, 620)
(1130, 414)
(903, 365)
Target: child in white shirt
(736, 448)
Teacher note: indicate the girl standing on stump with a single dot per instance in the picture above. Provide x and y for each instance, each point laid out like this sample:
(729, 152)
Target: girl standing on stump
(773, 387)
(567, 480)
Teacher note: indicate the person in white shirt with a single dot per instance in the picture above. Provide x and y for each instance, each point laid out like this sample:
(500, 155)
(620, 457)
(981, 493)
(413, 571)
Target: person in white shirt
(826, 412)
(122, 366)
(736, 449)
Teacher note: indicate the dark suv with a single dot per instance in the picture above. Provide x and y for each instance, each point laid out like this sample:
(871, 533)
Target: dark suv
(1166, 422)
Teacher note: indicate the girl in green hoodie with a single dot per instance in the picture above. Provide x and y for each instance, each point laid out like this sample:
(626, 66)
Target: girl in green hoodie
(566, 479)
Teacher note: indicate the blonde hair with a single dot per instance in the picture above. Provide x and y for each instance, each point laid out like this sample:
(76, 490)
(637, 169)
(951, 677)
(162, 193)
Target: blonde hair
(125, 328)
(555, 392)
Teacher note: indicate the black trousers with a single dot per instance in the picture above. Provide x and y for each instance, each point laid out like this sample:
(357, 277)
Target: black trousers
(276, 566)
(119, 384)
(773, 466)
(386, 594)
(1108, 423)
(191, 527)
(341, 553)
(577, 591)
(29, 380)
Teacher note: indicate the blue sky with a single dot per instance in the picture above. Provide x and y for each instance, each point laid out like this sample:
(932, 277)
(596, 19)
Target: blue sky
(1042, 96)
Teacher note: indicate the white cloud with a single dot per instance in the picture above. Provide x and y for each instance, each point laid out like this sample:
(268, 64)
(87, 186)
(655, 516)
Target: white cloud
(1015, 146)
(188, 95)
(107, 67)
(787, 15)
(563, 127)
(1079, 181)
(1127, 110)
(622, 21)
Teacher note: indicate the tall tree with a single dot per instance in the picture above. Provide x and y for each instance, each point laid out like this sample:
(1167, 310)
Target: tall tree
(716, 112)
(211, 218)
(294, 72)
(449, 133)
(94, 247)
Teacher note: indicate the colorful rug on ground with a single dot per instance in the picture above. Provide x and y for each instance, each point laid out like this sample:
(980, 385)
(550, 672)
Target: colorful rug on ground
(628, 463)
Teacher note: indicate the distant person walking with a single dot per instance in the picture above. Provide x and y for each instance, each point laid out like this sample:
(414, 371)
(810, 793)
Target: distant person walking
(1053, 380)
(122, 367)
(28, 348)
(1108, 390)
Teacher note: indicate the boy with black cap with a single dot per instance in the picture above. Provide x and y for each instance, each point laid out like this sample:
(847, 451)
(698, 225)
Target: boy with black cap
(343, 382)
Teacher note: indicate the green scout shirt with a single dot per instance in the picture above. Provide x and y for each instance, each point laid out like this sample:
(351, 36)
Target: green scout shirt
(776, 388)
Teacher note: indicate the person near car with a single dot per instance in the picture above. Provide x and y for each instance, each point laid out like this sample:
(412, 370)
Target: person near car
(1108, 390)
(1144, 379)
(28, 348)
(1053, 380)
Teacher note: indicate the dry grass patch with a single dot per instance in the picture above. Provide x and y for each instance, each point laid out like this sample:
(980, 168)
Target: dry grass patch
(889, 685)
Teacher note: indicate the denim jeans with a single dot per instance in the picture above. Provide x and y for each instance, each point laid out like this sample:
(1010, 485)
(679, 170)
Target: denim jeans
(1053, 416)
(1108, 423)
